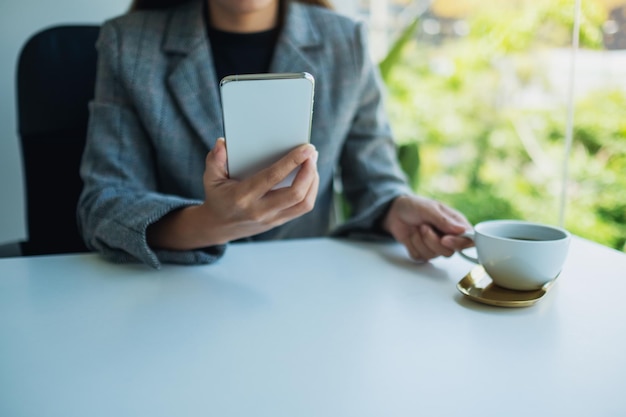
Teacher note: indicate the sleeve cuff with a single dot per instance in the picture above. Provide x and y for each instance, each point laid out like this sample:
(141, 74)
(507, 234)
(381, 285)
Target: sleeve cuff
(368, 223)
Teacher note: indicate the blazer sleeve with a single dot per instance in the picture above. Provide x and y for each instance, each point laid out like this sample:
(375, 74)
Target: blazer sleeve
(120, 198)
(370, 172)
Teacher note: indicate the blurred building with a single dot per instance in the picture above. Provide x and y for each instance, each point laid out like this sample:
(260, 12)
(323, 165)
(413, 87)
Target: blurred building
(615, 29)
(445, 19)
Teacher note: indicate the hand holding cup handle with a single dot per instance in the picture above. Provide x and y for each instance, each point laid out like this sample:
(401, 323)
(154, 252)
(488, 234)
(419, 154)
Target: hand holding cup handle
(469, 234)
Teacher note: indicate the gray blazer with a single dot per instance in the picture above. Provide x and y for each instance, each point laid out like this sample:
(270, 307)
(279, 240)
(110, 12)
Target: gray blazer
(157, 113)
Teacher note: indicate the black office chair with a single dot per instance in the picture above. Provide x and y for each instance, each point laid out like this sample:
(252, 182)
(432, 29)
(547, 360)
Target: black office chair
(55, 81)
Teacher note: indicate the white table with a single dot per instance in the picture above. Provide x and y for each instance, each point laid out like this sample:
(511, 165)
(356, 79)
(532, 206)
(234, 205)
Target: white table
(306, 328)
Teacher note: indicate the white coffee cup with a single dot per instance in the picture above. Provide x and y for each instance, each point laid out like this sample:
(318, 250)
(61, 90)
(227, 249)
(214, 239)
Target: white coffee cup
(519, 255)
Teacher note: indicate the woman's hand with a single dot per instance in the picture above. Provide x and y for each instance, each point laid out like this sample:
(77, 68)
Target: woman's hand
(427, 228)
(235, 209)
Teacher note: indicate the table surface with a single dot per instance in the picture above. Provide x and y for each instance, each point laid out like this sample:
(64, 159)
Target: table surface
(315, 327)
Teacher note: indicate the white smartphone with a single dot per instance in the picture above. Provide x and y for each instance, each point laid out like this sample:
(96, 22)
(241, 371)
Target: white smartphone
(265, 116)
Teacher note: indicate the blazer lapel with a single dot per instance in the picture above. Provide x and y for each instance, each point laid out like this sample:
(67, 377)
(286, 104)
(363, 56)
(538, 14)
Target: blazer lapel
(297, 43)
(193, 81)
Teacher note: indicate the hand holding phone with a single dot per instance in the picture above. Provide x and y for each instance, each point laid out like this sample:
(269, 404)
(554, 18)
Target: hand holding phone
(237, 209)
(265, 116)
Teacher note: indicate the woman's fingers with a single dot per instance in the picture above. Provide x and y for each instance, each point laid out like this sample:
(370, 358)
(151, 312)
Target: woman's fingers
(216, 162)
(263, 182)
(423, 244)
(251, 206)
(307, 202)
(433, 241)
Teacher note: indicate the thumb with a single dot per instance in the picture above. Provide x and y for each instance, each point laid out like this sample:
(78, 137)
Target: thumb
(216, 161)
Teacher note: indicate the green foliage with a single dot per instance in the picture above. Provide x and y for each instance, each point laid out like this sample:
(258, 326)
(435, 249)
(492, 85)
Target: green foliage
(481, 204)
(518, 26)
(597, 127)
(408, 152)
(395, 52)
(481, 149)
(409, 157)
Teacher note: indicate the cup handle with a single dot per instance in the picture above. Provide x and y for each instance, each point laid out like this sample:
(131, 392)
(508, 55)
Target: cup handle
(469, 235)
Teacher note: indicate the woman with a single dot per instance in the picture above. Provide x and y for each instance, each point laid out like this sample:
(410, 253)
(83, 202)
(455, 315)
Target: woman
(156, 185)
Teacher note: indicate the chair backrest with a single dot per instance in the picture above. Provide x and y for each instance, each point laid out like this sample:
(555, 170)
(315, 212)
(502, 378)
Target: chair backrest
(55, 82)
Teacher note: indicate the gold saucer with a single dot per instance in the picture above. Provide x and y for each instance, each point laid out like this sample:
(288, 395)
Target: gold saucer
(477, 285)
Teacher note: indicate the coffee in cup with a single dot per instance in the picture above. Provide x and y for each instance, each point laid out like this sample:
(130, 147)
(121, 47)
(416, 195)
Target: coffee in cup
(519, 255)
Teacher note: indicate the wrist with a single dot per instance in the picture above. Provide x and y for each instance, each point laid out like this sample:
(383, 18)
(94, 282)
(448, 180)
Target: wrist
(387, 217)
(187, 228)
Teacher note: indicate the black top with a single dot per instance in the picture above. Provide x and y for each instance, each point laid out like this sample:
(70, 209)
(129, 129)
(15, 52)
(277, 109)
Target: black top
(241, 53)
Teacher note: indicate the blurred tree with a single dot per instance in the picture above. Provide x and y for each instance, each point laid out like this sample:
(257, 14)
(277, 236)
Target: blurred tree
(483, 147)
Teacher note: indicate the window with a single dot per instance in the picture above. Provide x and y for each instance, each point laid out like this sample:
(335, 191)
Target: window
(484, 91)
